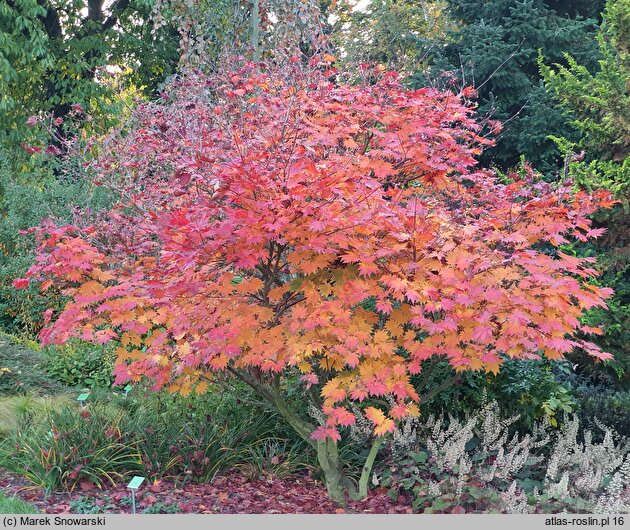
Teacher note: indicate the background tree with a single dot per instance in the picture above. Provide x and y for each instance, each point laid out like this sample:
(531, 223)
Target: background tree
(398, 34)
(211, 31)
(66, 69)
(278, 227)
(600, 104)
(54, 55)
(495, 47)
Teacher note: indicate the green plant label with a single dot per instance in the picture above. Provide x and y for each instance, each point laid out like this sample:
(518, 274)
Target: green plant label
(83, 397)
(135, 483)
(128, 388)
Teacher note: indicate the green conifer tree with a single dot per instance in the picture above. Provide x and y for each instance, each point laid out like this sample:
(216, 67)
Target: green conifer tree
(600, 104)
(495, 48)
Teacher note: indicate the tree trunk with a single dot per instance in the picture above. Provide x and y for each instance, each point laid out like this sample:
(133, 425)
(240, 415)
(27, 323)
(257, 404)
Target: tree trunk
(336, 483)
(340, 487)
(254, 36)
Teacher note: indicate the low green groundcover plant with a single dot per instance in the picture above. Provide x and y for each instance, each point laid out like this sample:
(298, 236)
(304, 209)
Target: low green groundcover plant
(13, 505)
(22, 369)
(78, 363)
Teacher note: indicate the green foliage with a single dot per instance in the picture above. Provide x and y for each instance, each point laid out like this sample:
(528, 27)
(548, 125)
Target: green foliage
(527, 388)
(199, 436)
(13, 505)
(206, 28)
(36, 408)
(78, 363)
(211, 30)
(86, 505)
(411, 476)
(71, 446)
(495, 48)
(600, 104)
(611, 408)
(25, 199)
(159, 507)
(396, 34)
(615, 321)
(600, 101)
(23, 38)
(54, 56)
(278, 458)
(22, 370)
(603, 404)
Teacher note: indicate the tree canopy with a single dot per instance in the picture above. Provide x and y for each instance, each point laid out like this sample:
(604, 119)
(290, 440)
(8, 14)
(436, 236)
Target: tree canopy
(274, 224)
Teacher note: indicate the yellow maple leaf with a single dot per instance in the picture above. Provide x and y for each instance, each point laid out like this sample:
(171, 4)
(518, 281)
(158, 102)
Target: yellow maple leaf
(376, 416)
(386, 426)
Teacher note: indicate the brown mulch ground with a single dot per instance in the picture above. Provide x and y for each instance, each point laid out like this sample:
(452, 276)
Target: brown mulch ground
(231, 493)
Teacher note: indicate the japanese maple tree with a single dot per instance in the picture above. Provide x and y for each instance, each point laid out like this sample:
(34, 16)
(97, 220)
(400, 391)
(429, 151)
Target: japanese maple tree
(273, 223)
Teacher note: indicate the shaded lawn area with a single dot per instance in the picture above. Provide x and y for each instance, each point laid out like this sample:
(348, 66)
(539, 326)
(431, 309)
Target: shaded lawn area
(14, 505)
(22, 372)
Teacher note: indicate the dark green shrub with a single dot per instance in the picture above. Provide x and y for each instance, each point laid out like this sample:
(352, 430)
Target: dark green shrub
(494, 46)
(614, 321)
(599, 102)
(600, 397)
(608, 407)
(26, 197)
(527, 388)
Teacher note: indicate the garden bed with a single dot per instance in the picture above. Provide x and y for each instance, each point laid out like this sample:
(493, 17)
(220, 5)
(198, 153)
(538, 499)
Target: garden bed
(230, 493)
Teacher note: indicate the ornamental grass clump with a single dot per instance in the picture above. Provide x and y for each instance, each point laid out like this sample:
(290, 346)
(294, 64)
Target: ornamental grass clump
(69, 446)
